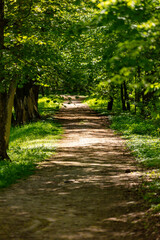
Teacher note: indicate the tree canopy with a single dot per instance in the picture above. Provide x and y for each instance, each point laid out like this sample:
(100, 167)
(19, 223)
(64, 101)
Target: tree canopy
(109, 48)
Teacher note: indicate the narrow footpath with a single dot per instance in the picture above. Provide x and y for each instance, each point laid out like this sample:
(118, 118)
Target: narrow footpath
(83, 192)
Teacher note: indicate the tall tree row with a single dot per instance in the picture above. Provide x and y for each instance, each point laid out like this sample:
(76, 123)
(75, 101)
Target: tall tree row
(38, 47)
(131, 53)
(108, 47)
(24, 32)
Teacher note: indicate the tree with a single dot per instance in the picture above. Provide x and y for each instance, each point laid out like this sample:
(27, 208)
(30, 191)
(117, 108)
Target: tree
(132, 55)
(7, 90)
(32, 46)
(26, 103)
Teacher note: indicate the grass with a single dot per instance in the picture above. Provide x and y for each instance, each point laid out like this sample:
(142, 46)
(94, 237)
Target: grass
(31, 144)
(143, 139)
(49, 105)
(99, 105)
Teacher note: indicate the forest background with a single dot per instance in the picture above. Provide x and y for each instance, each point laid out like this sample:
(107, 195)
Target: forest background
(107, 50)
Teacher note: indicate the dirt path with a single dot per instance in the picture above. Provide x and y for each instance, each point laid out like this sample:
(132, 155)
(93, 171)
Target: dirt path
(82, 192)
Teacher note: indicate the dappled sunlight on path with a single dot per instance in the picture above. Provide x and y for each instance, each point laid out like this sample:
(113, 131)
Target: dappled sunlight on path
(82, 192)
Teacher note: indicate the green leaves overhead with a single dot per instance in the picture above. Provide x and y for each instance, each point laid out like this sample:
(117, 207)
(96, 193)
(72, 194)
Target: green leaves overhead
(77, 44)
(35, 31)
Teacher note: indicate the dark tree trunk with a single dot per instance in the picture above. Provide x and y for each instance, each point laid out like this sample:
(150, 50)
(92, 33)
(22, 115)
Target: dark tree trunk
(110, 104)
(6, 104)
(137, 91)
(143, 103)
(26, 103)
(3, 94)
(3, 115)
(9, 102)
(123, 98)
(126, 96)
(35, 90)
(137, 98)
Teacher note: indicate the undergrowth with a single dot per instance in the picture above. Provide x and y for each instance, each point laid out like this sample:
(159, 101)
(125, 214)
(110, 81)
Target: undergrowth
(143, 139)
(31, 143)
(49, 105)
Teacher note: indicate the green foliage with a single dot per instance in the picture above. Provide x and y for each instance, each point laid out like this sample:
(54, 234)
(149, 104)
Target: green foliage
(143, 138)
(49, 104)
(129, 52)
(42, 42)
(142, 135)
(132, 124)
(29, 145)
(150, 189)
(99, 105)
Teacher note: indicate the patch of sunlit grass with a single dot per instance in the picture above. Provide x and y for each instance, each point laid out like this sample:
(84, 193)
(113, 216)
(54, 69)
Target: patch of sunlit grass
(99, 105)
(29, 145)
(143, 138)
(150, 189)
(49, 105)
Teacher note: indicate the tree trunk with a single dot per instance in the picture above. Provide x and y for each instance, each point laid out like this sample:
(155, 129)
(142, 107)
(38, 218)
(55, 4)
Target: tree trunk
(137, 98)
(137, 90)
(143, 103)
(3, 116)
(110, 104)
(6, 104)
(3, 93)
(10, 101)
(123, 99)
(126, 96)
(26, 103)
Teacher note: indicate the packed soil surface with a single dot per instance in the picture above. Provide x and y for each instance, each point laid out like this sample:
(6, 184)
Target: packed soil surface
(87, 190)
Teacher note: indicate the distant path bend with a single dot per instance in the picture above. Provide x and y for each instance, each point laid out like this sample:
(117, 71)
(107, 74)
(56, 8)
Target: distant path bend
(82, 192)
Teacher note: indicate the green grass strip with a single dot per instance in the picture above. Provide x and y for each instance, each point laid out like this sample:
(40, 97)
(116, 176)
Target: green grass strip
(31, 144)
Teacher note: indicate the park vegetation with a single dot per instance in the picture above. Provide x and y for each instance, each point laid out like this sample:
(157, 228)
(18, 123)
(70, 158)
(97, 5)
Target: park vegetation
(108, 50)
(32, 142)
